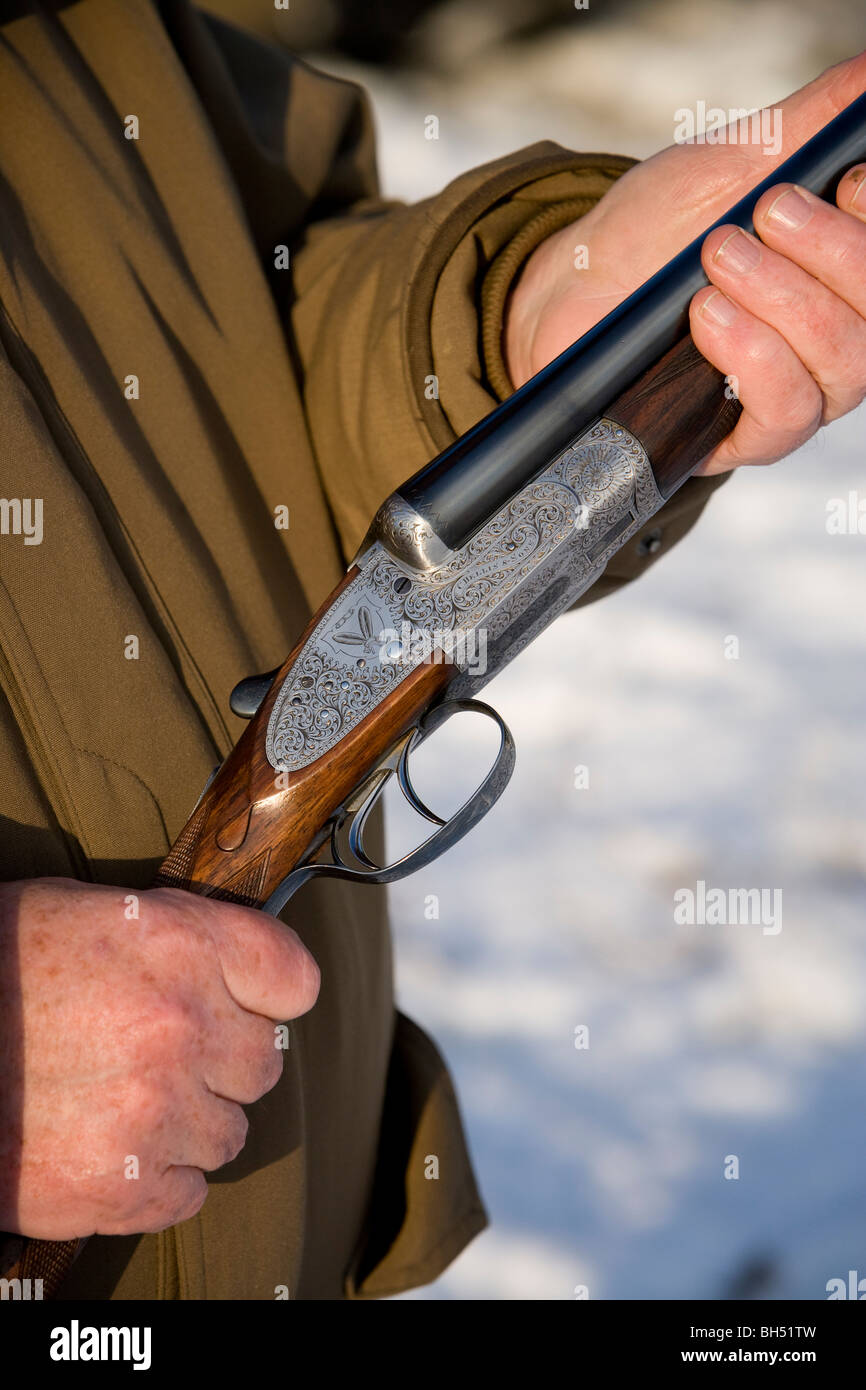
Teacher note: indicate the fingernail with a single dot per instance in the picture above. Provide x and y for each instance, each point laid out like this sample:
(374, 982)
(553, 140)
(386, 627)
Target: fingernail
(738, 252)
(857, 196)
(719, 309)
(790, 210)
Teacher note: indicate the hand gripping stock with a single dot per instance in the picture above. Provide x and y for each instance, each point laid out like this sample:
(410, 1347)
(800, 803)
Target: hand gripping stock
(336, 849)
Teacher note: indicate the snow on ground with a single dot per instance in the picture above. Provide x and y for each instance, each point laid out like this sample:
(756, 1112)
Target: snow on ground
(605, 1166)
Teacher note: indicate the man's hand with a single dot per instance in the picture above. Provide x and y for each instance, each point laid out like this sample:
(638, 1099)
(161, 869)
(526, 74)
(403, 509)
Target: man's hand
(786, 311)
(130, 1045)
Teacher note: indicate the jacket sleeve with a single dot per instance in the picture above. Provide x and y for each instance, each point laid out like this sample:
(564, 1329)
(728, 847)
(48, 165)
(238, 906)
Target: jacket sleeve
(394, 312)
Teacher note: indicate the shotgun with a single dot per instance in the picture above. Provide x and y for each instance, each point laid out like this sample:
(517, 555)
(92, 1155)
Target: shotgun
(495, 538)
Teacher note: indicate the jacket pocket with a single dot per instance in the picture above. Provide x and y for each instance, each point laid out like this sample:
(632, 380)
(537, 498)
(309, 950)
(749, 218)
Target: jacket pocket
(425, 1206)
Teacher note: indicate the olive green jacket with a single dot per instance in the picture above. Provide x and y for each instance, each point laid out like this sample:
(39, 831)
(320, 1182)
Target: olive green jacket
(166, 385)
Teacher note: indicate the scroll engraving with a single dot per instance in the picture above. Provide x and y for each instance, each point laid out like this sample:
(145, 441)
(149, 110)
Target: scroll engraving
(567, 521)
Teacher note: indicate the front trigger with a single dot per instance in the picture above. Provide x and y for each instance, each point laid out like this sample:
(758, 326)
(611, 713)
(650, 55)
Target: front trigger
(409, 791)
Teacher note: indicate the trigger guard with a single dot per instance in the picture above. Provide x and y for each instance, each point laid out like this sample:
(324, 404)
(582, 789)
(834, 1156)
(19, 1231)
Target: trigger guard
(473, 810)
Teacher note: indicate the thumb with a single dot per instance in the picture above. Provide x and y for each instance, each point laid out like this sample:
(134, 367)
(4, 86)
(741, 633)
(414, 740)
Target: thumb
(266, 967)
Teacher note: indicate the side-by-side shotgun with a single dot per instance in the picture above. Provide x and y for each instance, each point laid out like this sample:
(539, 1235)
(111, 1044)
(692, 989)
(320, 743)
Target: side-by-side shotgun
(497, 536)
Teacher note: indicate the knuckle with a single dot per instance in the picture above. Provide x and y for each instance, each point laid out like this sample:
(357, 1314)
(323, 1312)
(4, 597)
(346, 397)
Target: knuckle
(849, 253)
(268, 1070)
(822, 316)
(149, 1217)
(172, 1024)
(856, 370)
(262, 1063)
(226, 1138)
(806, 410)
(177, 1196)
(272, 1067)
(146, 1102)
(237, 1130)
(185, 1198)
(765, 349)
(128, 1226)
(842, 397)
(793, 302)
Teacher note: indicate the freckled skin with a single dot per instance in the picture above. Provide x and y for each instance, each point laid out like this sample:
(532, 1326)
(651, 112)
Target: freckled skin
(140, 1037)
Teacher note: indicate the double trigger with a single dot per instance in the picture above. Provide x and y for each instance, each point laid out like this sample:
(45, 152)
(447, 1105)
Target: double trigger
(339, 852)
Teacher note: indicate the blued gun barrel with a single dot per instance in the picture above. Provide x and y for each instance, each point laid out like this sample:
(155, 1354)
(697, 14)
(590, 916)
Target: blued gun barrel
(473, 478)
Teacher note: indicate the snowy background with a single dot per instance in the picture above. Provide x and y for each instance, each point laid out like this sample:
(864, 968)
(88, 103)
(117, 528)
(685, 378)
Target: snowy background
(604, 1167)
